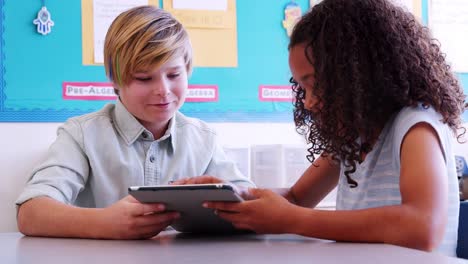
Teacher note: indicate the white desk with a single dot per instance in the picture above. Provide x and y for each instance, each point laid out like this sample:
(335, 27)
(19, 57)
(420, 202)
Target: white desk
(170, 247)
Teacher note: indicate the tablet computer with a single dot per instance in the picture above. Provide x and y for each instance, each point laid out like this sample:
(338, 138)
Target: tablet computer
(187, 200)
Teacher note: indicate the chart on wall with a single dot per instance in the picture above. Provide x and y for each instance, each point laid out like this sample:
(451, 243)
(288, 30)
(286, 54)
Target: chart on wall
(51, 58)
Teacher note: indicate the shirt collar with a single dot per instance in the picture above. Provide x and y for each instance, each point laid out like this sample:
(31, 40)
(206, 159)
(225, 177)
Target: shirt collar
(171, 132)
(128, 126)
(131, 129)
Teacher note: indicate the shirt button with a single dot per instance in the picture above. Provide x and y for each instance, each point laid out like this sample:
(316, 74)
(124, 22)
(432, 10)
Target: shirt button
(151, 159)
(144, 135)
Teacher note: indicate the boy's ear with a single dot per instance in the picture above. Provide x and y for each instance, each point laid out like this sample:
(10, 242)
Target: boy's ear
(116, 90)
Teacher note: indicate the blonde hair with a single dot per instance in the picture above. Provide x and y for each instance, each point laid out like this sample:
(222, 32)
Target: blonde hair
(142, 38)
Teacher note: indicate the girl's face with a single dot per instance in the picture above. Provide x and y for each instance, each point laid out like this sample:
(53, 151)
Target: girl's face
(154, 96)
(303, 73)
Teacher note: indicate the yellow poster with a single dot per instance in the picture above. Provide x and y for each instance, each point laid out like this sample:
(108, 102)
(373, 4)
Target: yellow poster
(87, 25)
(213, 33)
(417, 8)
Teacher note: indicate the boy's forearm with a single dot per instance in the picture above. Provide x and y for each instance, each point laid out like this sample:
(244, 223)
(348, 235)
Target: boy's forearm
(44, 216)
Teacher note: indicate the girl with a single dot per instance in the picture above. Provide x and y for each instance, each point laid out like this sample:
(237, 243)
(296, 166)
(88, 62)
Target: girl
(378, 104)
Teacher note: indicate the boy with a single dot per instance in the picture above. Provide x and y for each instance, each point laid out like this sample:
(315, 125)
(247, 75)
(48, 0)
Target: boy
(80, 189)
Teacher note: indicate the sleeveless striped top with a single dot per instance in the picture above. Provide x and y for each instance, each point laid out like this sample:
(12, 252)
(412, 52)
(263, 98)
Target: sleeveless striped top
(379, 175)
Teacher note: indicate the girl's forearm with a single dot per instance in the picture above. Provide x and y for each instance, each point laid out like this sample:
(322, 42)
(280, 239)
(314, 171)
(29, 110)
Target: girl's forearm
(400, 225)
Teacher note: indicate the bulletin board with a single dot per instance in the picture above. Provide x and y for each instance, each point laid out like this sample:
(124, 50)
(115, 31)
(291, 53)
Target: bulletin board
(33, 67)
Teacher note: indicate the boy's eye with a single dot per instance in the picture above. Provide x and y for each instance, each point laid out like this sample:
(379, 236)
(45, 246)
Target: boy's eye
(142, 79)
(173, 75)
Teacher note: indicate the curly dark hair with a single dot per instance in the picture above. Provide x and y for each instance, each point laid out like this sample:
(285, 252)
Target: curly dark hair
(371, 59)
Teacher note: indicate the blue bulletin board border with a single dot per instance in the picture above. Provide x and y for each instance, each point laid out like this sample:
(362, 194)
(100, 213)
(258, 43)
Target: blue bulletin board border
(274, 113)
(2, 57)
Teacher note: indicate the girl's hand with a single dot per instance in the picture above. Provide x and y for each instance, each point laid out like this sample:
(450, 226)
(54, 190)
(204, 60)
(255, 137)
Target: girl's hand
(205, 179)
(268, 212)
(130, 219)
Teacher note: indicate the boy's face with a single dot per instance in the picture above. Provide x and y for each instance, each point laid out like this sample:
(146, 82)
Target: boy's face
(155, 95)
(303, 74)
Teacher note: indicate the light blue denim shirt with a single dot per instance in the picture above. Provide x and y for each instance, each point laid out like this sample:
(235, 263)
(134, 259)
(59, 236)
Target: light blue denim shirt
(97, 156)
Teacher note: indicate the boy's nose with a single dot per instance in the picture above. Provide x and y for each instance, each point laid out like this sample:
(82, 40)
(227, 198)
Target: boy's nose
(162, 88)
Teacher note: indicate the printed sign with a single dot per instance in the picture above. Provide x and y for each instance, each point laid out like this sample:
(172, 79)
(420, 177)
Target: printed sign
(275, 93)
(202, 93)
(88, 91)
